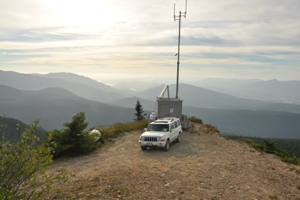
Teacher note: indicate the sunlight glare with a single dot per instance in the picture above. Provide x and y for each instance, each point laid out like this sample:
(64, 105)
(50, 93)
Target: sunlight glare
(85, 13)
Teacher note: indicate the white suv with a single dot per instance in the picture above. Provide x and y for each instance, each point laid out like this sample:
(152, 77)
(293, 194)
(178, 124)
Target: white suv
(161, 133)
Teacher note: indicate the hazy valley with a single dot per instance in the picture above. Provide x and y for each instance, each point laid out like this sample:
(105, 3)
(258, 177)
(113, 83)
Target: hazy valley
(54, 98)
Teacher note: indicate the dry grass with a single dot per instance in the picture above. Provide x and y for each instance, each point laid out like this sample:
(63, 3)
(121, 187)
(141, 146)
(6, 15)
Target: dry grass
(113, 131)
(273, 197)
(211, 128)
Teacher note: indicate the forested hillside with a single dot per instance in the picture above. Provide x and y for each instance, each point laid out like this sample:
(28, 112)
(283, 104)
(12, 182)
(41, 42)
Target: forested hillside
(11, 129)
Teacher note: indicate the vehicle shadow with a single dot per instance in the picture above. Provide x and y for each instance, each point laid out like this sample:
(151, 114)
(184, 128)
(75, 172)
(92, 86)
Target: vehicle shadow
(187, 147)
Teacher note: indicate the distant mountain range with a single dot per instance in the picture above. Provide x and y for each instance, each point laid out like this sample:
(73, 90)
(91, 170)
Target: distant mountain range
(271, 90)
(255, 123)
(55, 98)
(56, 106)
(205, 98)
(78, 85)
(74, 78)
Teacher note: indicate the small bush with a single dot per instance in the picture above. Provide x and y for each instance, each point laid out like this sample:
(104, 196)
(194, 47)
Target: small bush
(195, 119)
(23, 168)
(293, 160)
(269, 146)
(248, 141)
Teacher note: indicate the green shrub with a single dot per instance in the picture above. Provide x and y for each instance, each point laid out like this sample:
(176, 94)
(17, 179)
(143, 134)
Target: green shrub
(270, 147)
(72, 140)
(23, 168)
(293, 160)
(248, 141)
(195, 119)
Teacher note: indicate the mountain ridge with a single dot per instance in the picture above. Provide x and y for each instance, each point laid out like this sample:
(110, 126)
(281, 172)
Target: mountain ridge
(75, 78)
(267, 90)
(34, 82)
(201, 102)
(56, 106)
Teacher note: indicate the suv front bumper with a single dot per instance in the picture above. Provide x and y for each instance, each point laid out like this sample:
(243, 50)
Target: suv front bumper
(152, 144)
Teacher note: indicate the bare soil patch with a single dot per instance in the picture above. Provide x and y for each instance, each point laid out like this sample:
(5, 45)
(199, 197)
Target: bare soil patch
(204, 165)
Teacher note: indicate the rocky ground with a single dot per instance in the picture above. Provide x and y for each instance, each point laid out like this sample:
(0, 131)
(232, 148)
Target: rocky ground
(204, 165)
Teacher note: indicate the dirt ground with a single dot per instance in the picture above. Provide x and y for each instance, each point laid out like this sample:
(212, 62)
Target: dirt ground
(204, 165)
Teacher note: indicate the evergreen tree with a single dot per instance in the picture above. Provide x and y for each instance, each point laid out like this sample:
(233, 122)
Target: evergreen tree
(139, 111)
(73, 139)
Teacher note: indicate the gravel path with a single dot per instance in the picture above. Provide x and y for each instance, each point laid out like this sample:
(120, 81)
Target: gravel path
(204, 165)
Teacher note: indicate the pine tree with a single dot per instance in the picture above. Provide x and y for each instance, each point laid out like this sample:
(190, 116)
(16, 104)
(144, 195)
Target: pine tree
(139, 111)
(73, 139)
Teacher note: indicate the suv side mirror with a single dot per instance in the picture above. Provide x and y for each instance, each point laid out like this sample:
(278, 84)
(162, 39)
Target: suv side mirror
(145, 129)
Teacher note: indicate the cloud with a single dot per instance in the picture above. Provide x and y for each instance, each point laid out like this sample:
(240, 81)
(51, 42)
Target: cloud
(119, 36)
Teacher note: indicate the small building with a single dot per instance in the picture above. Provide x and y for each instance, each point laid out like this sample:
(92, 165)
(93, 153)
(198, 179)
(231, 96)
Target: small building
(171, 107)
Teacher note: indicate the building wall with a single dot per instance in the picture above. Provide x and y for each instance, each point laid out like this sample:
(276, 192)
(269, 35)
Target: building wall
(169, 108)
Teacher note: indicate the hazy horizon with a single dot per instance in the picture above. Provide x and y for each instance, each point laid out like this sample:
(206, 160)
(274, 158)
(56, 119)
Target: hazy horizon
(156, 80)
(113, 79)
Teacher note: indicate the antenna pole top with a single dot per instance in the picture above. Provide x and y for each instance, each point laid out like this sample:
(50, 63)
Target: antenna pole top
(181, 14)
(174, 13)
(185, 8)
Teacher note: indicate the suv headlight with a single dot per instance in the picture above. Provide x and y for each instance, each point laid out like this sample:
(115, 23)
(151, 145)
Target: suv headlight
(142, 138)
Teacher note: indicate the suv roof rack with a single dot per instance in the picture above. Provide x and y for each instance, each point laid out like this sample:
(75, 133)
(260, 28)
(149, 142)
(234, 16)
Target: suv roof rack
(158, 121)
(165, 120)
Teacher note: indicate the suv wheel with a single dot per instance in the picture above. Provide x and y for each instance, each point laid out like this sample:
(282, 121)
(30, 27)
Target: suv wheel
(178, 138)
(143, 148)
(167, 146)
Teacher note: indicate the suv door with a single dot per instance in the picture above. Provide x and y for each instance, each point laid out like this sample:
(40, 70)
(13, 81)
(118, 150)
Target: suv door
(177, 125)
(179, 128)
(172, 131)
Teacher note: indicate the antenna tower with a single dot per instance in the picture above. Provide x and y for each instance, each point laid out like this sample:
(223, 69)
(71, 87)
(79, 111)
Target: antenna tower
(178, 17)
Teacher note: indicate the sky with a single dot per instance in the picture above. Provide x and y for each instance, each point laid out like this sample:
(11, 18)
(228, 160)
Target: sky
(117, 39)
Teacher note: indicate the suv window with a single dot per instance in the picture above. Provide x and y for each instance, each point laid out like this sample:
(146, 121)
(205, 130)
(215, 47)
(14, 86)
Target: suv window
(178, 121)
(172, 126)
(158, 127)
(176, 124)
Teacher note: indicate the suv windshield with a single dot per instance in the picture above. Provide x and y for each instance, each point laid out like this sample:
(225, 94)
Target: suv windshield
(158, 127)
